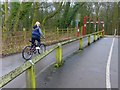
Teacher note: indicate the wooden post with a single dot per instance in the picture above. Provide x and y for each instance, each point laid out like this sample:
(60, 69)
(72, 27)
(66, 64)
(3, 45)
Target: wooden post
(58, 33)
(24, 33)
(75, 32)
(67, 32)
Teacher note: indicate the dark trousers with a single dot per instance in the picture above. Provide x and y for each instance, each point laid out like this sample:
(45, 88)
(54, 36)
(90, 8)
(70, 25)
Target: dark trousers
(35, 38)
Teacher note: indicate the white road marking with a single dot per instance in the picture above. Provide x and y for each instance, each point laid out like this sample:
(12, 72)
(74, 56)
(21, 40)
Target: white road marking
(108, 83)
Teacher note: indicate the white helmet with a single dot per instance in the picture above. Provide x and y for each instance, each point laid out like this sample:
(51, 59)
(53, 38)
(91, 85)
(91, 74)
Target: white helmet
(37, 23)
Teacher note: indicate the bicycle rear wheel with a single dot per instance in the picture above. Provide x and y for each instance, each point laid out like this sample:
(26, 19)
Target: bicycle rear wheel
(27, 53)
(42, 48)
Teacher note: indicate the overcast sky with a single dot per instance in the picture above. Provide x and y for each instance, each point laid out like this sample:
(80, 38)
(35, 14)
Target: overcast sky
(61, 0)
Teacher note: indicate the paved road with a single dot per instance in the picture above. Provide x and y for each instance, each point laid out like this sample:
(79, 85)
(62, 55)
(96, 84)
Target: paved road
(84, 69)
(79, 69)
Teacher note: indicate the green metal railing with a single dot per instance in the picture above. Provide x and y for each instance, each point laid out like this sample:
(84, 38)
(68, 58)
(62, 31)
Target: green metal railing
(28, 66)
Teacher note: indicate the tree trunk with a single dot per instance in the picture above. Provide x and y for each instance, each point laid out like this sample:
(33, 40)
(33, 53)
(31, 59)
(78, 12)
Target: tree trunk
(118, 30)
(64, 18)
(6, 16)
(17, 18)
(36, 9)
(115, 17)
(52, 14)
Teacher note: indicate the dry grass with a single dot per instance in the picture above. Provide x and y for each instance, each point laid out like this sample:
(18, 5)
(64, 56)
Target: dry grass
(15, 44)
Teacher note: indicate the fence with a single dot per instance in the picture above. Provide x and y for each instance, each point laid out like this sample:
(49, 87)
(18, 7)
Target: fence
(12, 44)
(29, 65)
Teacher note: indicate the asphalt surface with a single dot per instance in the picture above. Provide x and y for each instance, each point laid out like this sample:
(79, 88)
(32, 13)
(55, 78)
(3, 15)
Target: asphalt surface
(82, 69)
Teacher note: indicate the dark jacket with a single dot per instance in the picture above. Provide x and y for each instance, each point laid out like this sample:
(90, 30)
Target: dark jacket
(36, 31)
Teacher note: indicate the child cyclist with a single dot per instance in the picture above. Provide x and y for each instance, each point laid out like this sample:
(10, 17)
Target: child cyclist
(36, 34)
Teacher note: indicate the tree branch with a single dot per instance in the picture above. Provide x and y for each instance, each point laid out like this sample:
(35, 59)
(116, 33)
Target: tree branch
(52, 14)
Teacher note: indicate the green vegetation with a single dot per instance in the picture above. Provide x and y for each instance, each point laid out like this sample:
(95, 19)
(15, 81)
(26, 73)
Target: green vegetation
(18, 15)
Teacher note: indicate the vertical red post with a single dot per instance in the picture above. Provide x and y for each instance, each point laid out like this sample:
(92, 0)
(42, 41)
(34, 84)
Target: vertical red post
(84, 26)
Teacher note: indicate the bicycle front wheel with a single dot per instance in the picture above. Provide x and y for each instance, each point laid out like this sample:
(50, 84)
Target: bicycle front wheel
(42, 48)
(27, 53)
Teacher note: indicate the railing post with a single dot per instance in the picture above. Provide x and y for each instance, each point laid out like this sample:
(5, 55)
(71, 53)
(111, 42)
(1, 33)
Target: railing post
(94, 37)
(98, 35)
(81, 48)
(89, 39)
(59, 61)
(31, 81)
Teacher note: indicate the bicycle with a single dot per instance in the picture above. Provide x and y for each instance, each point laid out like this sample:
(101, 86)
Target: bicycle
(28, 51)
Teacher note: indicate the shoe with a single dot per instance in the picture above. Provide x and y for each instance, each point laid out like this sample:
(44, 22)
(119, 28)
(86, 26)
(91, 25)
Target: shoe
(37, 47)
